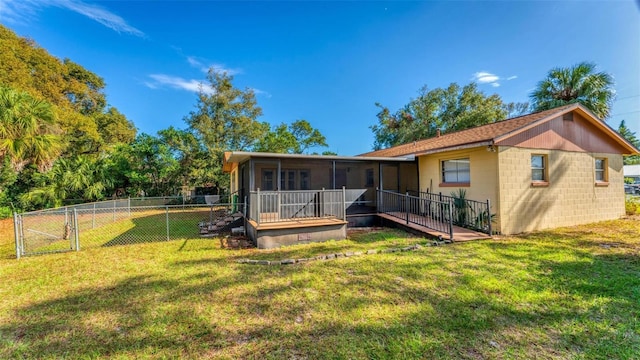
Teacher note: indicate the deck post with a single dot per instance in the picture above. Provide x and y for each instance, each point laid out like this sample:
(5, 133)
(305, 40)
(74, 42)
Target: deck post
(278, 203)
(344, 204)
(450, 219)
(258, 201)
(322, 205)
(406, 205)
(16, 234)
(489, 216)
(440, 206)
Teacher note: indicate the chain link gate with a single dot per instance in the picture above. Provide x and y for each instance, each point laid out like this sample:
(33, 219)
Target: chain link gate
(55, 231)
(123, 222)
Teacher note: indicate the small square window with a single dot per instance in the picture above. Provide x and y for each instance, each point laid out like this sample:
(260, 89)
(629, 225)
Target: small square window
(538, 168)
(601, 170)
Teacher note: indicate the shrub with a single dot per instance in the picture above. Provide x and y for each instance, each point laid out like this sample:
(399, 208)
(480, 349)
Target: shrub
(632, 205)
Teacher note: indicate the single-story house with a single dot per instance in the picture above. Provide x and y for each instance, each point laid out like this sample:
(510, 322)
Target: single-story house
(552, 168)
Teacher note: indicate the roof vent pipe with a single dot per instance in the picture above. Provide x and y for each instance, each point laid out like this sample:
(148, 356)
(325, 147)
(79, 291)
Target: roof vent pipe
(438, 133)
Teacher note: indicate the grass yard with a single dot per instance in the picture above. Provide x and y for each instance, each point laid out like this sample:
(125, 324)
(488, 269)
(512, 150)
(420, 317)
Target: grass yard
(568, 293)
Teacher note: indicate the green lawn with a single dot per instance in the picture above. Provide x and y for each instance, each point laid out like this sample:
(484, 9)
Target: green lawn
(567, 293)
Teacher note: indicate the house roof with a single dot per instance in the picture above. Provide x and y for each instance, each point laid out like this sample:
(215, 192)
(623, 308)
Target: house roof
(631, 170)
(491, 133)
(236, 157)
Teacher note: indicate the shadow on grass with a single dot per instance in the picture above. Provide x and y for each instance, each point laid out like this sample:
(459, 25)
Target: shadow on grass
(147, 227)
(401, 305)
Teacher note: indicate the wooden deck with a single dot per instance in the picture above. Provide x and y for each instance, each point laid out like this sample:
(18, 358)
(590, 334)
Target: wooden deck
(459, 233)
(296, 223)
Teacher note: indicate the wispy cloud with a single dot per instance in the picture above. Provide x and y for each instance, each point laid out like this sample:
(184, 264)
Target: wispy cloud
(204, 66)
(261, 92)
(162, 80)
(19, 11)
(485, 77)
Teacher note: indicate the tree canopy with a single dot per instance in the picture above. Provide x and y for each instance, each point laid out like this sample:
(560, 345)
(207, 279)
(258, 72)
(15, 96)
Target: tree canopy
(630, 136)
(75, 94)
(295, 138)
(441, 109)
(577, 84)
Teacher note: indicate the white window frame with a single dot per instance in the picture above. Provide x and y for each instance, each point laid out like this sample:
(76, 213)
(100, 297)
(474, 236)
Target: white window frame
(445, 173)
(604, 170)
(544, 169)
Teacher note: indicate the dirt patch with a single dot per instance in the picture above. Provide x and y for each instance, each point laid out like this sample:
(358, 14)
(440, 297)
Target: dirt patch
(235, 242)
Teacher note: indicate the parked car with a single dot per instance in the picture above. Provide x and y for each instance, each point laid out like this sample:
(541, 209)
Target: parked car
(633, 189)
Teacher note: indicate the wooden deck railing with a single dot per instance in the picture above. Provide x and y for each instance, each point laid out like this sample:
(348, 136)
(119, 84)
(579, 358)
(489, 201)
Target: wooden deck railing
(277, 206)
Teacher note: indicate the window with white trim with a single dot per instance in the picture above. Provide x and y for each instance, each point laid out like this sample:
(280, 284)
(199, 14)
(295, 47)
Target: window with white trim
(456, 171)
(539, 168)
(601, 170)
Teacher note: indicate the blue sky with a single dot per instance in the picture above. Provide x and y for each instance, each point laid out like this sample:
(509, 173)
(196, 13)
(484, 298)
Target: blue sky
(330, 62)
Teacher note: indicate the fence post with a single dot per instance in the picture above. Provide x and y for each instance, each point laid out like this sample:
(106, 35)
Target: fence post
(258, 206)
(76, 232)
(406, 205)
(450, 219)
(21, 228)
(344, 203)
(93, 217)
(114, 210)
(489, 216)
(167, 219)
(66, 216)
(16, 235)
(129, 206)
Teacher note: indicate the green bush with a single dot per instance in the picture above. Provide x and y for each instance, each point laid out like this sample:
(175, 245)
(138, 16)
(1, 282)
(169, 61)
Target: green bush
(5, 212)
(632, 205)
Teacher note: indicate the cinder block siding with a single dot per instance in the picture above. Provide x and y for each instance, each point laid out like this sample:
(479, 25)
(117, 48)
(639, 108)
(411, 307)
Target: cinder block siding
(483, 166)
(571, 197)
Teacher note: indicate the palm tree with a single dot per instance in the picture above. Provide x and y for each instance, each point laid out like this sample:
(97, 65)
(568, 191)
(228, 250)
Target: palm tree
(78, 177)
(577, 84)
(27, 130)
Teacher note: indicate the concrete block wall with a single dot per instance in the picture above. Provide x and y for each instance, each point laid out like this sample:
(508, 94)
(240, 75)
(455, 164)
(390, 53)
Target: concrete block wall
(572, 196)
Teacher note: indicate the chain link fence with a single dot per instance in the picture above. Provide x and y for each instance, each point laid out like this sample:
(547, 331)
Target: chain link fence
(125, 221)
